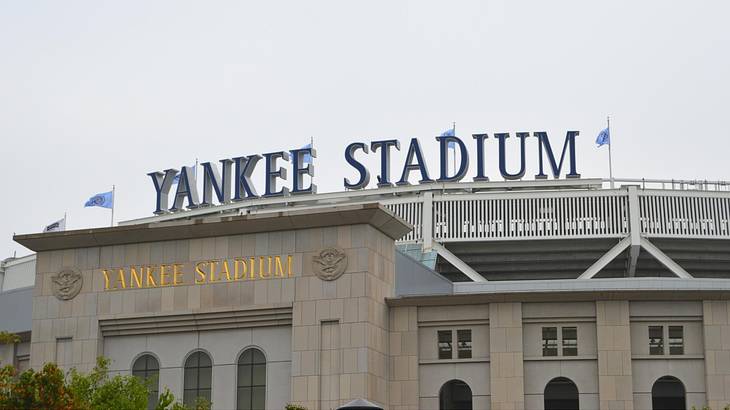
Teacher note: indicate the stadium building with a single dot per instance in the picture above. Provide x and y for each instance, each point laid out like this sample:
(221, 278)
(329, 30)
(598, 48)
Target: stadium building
(545, 294)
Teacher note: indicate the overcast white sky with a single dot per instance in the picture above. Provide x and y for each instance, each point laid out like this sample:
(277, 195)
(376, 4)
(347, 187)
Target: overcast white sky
(100, 93)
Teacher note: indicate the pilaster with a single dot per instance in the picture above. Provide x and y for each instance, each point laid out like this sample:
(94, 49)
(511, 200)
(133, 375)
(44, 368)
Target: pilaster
(716, 329)
(615, 384)
(506, 356)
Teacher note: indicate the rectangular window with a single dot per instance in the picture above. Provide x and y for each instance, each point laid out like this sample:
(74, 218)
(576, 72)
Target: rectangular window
(463, 338)
(676, 340)
(570, 341)
(64, 351)
(444, 344)
(23, 363)
(656, 340)
(549, 341)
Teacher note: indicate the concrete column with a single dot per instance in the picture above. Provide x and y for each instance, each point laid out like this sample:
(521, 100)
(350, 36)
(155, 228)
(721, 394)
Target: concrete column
(615, 384)
(716, 326)
(506, 358)
(66, 332)
(340, 327)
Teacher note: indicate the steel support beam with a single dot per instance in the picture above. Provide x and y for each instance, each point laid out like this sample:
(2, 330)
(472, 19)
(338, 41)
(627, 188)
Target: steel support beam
(634, 231)
(664, 259)
(606, 258)
(427, 221)
(458, 263)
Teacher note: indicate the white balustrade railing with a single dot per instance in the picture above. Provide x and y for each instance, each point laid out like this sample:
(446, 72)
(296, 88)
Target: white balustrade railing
(672, 214)
(538, 216)
(564, 215)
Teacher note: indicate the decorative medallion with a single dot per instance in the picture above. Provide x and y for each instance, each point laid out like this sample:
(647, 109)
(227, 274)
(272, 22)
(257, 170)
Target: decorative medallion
(330, 263)
(67, 284)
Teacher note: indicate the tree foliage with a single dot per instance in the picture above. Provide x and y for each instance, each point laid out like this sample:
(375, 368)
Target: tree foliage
(51, 389)
(96, 390)
(45, 389)
(8, 338)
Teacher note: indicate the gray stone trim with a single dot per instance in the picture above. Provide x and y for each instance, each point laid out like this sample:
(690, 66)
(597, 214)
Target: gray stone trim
(194, 322)
(370, 214)
(571, 290)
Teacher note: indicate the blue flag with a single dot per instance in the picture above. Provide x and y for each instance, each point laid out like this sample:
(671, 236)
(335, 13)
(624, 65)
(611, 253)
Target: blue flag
(604, 137)
(450, 133)
(104, 200)
(307, 159)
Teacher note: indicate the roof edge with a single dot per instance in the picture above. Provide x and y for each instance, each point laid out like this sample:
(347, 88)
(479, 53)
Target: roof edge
(372, 214)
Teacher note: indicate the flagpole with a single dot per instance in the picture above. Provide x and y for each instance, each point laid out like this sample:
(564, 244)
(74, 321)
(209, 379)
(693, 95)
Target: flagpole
(610, 165)
(113, 188)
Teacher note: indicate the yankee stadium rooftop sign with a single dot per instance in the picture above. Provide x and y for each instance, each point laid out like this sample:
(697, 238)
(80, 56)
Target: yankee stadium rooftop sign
(232, 181)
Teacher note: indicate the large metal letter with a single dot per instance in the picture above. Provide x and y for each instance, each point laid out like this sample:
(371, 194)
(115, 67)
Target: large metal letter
(213, 181)
(502, 155)
(444, 159)
(384, 177)
(186, 188)
(480, 157)
(569, 144)
(297, 158)
(414, 150)
(350, 158)
(163, 183)
(242, 183)
(272, 173)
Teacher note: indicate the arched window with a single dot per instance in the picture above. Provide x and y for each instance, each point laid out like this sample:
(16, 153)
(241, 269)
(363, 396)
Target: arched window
(455, 395)
(668, 394)
(251, 389)
(561, 394)
(197, 379)
(147, 368)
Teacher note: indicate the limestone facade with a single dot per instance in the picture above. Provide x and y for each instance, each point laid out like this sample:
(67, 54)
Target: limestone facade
(329, 342)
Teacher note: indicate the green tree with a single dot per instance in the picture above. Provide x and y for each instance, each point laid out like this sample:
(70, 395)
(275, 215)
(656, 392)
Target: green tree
(97, 391)
(34, 390)
(50, 389)
(8, 338)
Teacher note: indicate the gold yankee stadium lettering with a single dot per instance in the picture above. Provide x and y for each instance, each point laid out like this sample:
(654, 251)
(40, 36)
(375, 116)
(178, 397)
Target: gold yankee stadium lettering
(202, 272)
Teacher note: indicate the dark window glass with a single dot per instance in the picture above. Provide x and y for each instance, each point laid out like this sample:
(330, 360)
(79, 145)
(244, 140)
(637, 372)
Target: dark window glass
(455, 395)
(676, 340)
(147, 369)
(197, 378)
(561, 394)
(444, 339)
(668, 393)
(251, 380)
(549, 341)
(656, 340)
(463, 339)
(570, 341)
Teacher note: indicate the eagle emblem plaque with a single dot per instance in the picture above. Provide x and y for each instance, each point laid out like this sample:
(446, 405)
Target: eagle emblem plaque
(329, 263)
(67, 284)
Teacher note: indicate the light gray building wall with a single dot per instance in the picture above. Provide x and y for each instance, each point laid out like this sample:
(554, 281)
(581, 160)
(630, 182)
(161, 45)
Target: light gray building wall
(17, 273)
(224, 348)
